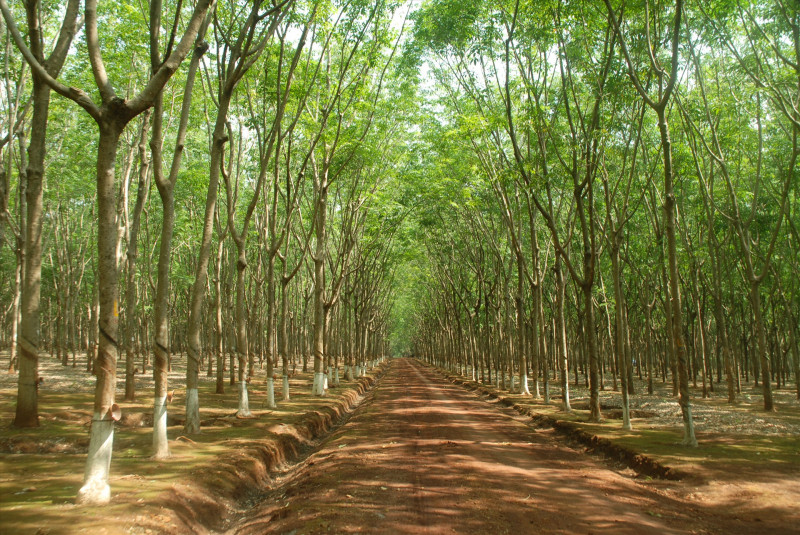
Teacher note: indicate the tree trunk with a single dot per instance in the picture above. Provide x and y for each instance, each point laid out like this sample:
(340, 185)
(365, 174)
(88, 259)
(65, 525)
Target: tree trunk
(219, 333)
(761, 345)
(594, 365)
(318, 388)
(242, 350)
(618, 325)
(270, 327)
(195, 323)
(674, 280)
(95, 488)
(561, 334)
(27, 411)
(284, 335)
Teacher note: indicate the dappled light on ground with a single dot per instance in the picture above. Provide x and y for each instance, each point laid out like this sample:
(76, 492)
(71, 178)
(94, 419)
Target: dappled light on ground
(425, 456)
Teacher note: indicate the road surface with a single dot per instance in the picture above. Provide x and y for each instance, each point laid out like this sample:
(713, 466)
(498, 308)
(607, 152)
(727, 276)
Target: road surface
(422, 455)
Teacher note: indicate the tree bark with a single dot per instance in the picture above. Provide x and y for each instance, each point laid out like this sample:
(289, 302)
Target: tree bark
(318, 388)
(95, 488)
(674, 278)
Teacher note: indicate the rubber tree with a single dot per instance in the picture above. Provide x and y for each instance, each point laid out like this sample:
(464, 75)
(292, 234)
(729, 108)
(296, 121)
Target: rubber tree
(345, 84)
(272, 136)
(579, 163)
(239, 44)
(618, 195)
(268, 144)
(666, 84)
(43, 69)
(770, 43)
(18, 105)
(111, 115)
(166, 191)
(132, 226)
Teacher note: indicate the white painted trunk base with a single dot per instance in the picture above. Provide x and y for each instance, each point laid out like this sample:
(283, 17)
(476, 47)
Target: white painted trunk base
(160, 442)
(95, 489)
(244, 401)
(329, 377)
(318, 389)
(626, 417)
(513, 388)
(523, 385)
(285, 388)
(271, 393)
(336, 377)
(192, 411)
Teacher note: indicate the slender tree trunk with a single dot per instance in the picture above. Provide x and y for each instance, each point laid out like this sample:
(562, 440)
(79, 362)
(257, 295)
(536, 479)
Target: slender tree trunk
(674, 279)
(27, 411)
(284, 335)
(195, 323)
(761, 341)
(561, 334)
(619, 328)
(242, 349)
(166, 191)
(15, 306)
(161, 345)
(318, 388)
(270, 326)
(521, 350)
(719, 312)
(219, 333)
(594, 364)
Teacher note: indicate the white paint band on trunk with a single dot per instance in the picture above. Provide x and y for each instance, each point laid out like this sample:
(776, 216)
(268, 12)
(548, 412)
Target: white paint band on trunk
(95, 489)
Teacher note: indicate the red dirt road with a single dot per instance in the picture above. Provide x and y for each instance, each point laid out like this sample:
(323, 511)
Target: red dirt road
(422, 455)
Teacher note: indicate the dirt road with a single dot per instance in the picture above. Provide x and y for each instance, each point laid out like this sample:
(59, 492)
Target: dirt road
(424, 456)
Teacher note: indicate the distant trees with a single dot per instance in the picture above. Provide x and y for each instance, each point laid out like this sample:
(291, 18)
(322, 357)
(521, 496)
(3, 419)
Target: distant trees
(565, 115)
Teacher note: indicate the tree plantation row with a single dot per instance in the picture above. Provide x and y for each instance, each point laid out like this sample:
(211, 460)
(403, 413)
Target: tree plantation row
(571, 191)
(616, 193)
(265, 130)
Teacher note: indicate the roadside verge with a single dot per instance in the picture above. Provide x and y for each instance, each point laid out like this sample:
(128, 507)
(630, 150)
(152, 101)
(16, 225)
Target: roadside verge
(217, 489)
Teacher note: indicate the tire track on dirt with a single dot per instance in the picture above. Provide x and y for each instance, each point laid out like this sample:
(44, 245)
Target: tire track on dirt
(425, 456)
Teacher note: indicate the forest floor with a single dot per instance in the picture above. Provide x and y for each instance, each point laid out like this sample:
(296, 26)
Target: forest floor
(41, 469)
(747, 461)
(744, 476)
